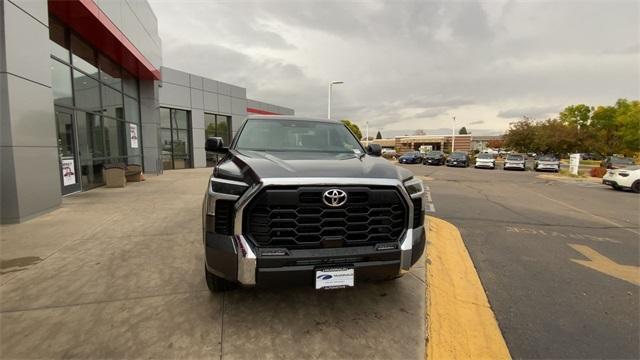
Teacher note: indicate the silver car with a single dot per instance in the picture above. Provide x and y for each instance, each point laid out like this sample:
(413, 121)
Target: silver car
(547, 163)
(515, 161)
(485, 160)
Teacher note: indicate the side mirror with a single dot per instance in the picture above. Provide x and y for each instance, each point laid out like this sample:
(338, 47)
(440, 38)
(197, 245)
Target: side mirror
(374, 149)
(215, 144)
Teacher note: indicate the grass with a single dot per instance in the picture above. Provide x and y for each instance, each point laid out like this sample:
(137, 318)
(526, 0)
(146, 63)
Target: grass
(565, 172)
(583, 162)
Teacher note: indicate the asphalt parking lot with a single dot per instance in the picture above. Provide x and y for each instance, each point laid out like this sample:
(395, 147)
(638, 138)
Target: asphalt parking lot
(559, 261)
(118, 273)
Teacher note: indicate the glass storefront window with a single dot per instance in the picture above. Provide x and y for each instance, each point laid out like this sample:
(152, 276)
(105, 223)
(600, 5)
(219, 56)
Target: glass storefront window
(112, 103)
(61, 83)
(175, 137)
(83, 56)
(131, 109)
(110, 73)
(165, 118)
(58, 36)
(222, 128)
(114, 135)
(216, 126)
(86, 92)
(90, 135)
(104, 100)
(180, 119)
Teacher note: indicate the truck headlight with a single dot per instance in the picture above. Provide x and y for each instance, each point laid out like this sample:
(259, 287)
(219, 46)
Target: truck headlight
(223, 189)
(229, 187)
(414, 187)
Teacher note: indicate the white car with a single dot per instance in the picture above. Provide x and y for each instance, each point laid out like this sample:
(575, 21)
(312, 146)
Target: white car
(485, 160)
(515, 161)
(547, 162)
(627, 178)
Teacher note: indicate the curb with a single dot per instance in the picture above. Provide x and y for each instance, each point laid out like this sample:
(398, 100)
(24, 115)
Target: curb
(460, 321)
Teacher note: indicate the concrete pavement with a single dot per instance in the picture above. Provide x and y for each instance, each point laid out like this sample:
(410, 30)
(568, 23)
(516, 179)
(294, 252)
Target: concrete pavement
(118, 273)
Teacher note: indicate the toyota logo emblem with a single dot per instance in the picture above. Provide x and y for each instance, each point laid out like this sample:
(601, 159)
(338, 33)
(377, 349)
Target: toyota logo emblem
(334, 197)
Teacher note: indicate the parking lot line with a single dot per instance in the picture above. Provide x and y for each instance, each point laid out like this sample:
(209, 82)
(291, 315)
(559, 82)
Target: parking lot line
(460, 322)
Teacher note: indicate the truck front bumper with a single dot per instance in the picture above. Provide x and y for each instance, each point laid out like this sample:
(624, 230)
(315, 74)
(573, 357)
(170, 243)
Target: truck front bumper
(235, 259)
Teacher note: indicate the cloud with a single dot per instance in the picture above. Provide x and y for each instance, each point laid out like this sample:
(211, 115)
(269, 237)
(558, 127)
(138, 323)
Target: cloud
(530, 112)
(411, 64)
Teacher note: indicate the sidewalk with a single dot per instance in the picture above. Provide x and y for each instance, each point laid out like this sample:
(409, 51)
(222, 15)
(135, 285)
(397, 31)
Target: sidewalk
(118, 273)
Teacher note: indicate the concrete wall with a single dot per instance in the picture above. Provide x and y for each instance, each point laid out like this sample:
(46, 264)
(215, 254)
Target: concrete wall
(29, 168)
(181, 90)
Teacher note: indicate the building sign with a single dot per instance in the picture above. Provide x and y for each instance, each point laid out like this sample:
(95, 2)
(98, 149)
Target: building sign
(574, 163)
(133, 135)
(68, 171)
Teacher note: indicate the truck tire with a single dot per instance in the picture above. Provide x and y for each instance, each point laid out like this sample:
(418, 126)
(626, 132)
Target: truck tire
(217, 284)
(635, 187)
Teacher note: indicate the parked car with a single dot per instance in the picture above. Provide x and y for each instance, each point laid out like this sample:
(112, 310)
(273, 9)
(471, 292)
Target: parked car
(547, 162)
(413, 157)
(389, 152)
(616, 162)
(515, 161)
(458, 159)
(434, 158)
(484, 160)
(281, 207)
(627, 178)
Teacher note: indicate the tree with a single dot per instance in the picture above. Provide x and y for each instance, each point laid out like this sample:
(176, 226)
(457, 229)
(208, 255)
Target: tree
(353, 127)
(378, 135)
(495, 144)
(576, 114)
(520, 135)
(419, 132)
(463, 131)
(628, 125)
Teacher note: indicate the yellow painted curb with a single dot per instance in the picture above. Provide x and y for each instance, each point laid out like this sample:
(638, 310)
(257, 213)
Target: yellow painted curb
(460, 322)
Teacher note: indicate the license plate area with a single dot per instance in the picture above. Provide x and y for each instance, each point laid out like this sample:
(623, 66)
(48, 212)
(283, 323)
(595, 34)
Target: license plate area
(335, 278)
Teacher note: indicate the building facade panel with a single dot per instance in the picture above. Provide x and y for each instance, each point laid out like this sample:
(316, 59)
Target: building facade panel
(197, 98)
(29, 110)
(21, 60)
(175, 95)
(210, 102)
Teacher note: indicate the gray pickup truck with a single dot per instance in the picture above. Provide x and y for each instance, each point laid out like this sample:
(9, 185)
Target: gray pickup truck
(300, 201)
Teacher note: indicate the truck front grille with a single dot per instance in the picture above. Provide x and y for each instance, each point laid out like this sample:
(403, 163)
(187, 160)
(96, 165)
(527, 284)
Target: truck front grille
(296, 217)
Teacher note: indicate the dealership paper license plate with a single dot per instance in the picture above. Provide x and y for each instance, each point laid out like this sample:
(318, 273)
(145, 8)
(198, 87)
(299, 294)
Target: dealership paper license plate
(334, 278)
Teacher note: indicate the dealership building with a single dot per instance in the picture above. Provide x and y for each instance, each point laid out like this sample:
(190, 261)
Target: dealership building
(82, 85)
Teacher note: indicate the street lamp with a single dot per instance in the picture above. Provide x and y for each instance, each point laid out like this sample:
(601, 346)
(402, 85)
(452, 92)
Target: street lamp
(329, 104)
(453, 135)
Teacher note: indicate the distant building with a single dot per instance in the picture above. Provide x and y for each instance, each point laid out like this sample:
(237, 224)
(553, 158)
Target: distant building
(436, 142)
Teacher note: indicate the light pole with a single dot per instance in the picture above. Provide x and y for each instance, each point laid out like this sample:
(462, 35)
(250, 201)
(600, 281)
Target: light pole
(329, 104)
(453, 135)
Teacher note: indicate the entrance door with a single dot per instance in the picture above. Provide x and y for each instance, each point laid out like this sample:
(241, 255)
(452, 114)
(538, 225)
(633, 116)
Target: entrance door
(67, 151)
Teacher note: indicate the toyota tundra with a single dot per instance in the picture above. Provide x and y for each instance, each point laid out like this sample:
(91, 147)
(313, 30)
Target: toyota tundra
(300, 201)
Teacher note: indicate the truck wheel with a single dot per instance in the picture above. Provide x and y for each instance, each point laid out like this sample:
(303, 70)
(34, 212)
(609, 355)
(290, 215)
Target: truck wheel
(217, 284)
(635, 187)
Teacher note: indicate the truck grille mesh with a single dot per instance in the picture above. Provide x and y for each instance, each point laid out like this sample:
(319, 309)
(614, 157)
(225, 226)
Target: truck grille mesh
(296, 217)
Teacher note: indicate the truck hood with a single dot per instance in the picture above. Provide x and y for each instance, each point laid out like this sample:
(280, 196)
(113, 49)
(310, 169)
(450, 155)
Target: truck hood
(252, 166)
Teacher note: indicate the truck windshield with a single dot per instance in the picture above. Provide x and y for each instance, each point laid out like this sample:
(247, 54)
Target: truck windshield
(297, 135)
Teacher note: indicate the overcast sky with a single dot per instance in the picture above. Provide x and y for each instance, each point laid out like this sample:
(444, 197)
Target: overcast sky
(411, 65)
